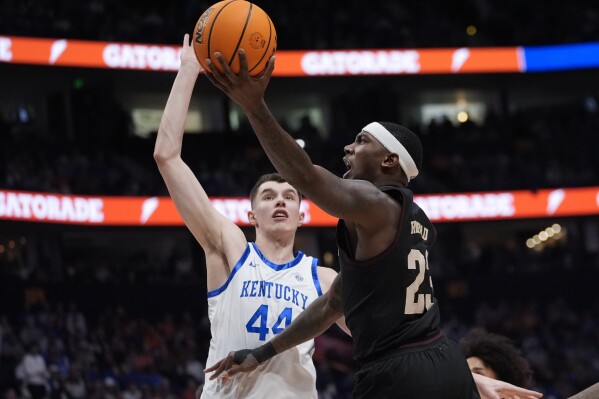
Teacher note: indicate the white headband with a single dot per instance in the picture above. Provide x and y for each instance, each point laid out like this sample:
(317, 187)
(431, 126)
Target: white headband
(391, 143)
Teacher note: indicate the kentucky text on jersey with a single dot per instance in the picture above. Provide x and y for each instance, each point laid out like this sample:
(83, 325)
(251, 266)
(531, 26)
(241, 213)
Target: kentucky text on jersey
(417, 228)
(258, 288)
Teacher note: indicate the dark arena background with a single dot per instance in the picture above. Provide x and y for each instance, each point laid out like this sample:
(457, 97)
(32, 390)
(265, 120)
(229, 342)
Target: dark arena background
(98, 270)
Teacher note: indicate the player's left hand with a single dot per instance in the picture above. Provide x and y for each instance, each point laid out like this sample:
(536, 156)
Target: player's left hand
(188, 57)
(245, 90)
(236, 362)
(490, 388)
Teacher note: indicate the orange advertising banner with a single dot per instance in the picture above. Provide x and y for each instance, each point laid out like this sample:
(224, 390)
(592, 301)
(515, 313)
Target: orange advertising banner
(511, 204)
(94, 54)
(161, 211)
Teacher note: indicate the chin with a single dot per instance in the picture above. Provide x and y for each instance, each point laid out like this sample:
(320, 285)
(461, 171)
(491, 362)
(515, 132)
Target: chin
(283, 226)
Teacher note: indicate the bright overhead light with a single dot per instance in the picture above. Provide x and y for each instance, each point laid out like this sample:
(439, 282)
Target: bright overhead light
(550, 234)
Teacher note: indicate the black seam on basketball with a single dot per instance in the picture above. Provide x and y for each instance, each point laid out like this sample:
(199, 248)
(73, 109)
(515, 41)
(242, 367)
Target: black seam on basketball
(247, 21)
(212, 26)
(267, 45)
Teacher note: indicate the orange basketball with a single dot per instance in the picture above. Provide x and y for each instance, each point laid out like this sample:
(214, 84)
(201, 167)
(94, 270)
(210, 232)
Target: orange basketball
(229, 25)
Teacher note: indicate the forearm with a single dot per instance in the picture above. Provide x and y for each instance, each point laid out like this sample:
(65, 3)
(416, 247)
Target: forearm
(288, 158)
(172, 124)
(312, 322)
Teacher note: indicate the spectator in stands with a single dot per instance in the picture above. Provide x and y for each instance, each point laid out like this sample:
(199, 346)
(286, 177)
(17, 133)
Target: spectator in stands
(74, 384)
(495, 356)
(33, 373)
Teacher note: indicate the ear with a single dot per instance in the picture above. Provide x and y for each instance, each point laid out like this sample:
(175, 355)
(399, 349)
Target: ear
(252, 218)
(302, 215)
(391, 160)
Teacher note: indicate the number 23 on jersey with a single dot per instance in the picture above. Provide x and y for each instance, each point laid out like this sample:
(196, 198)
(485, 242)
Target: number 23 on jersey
(418, 303)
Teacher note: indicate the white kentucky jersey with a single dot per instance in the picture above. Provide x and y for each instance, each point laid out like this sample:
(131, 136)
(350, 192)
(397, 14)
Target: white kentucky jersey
(260, 299)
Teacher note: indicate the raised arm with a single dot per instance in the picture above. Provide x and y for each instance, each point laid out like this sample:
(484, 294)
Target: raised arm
(313, 321)
(345, 199)
(206, 224)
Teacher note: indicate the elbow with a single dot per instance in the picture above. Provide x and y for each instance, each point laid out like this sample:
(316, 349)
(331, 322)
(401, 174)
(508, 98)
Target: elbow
(163, 159)
(160, 157)
(332, 314)
(167, 146)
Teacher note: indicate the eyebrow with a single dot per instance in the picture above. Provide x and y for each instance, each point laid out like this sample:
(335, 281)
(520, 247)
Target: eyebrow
(272, 191)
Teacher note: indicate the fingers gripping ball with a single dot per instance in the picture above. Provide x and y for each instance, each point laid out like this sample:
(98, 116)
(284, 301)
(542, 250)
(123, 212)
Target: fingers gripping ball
(229, 25)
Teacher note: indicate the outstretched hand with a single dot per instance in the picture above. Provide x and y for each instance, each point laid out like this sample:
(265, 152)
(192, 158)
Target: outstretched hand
(490, 388)
(188, 57)
(242, 88)
(236, 362)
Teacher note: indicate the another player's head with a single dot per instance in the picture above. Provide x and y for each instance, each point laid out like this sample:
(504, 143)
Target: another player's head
(496, 357)
(275, 205)
(384, 151)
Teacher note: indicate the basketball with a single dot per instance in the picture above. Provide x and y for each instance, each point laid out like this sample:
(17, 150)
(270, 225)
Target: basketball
(229, 25)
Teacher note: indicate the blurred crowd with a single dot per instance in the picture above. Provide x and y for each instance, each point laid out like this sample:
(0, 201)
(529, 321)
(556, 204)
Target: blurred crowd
(548, 147)
(70, 353)
(524, 150)
(432, 23)
(459, 253)
(558, 338)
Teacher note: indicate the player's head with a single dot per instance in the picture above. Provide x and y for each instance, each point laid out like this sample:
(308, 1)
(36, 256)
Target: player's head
(496, 357)
(384, 150)
(275, 205)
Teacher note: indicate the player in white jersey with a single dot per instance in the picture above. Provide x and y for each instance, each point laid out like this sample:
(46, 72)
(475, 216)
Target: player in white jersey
(254, 289)
(263, 297)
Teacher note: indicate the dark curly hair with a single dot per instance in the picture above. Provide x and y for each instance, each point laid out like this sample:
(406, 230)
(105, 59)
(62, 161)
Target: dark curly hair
(498, 353)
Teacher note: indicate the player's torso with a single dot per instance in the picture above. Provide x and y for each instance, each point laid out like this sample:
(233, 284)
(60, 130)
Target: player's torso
(258, 301)
(386, 296)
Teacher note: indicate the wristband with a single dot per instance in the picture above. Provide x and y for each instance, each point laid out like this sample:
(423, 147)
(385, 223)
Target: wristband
(239, 356)
(264, 352)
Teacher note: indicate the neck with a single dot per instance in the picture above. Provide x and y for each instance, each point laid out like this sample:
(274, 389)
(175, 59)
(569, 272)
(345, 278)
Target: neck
(389, 182)
(390, 176)
(278, 250)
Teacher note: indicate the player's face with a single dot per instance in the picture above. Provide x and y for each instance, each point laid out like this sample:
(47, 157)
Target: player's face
(363, 157)
(277, 206)
(477, 366)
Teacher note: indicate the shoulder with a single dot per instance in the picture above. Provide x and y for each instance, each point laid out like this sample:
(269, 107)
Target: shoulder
(326, 275)
(398, 194)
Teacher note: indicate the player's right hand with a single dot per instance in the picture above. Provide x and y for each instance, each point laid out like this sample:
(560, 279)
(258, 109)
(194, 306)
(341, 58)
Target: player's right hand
(241, 361)
(246, 90)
